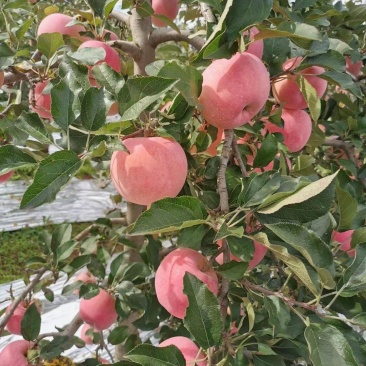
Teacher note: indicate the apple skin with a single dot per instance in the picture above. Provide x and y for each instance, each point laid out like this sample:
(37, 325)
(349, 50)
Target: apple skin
(99, 311)
(256, 47)
(56, 23)
(345, 239)
(5, 177)
(15, 354)
(86, 338)
(169, 279)
(155, 168)
(234, 90)
(43, 101)
(353, 68)
(13, 325)
(287, 92)
(297, 128)
(189, 349)
(169, 8)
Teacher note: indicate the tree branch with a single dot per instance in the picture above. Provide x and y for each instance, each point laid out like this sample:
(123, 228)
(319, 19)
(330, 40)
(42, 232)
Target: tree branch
(128, 47)
(120, 17)
(207, 13)
(159, 36)
(22, 296)
(225, 284)
(239, 159)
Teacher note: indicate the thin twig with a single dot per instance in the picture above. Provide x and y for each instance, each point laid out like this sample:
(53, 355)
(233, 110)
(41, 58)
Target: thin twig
(225, 284)
(239, 159)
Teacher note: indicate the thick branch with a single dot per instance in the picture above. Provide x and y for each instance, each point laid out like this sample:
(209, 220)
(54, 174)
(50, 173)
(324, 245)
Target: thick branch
(239, 159)
(120, 17)
(165, 35)
(128, 47)
(13, 77)
(221, 178)
(20, 298)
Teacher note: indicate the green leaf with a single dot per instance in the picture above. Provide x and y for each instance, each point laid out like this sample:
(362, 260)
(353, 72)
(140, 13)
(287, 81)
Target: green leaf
(88, 55)
(331, 60)
(263, 360)
(190, 80)
(109, 78)
(139, 92)
(33, 125)
(242, 248)
(60, 235)
(118, 335)
(6, 55)
(327, 346)
(93, 109)
(30, 325)
(293, 263)
(300, 4)
(63, 99)
(191, 237)
(148, 355)
(97, 6)
(279, 313)
(203, 318)
(267, 152)
(358, 237)
(65, 250)
(306, 204)
(170, 214)
(343, 80)
(12, 157)
(251, 12)
(49, 43)
(233, 270)
(347, 207)
(311, 97)
(53, 173)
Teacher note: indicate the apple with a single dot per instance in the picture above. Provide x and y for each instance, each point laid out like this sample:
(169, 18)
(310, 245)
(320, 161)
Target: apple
(42, 101)
(234, 90)
(353, 68)
(189, 349)
(5, 177)
(287, 92)
(255, 47)
(57, 23)
(103, 361)
(344, 238)
(112, 36)
(15, 354)
(297, 128)
(85, 277)
(85, 337)
(169, 278)
(155, 168)
(99, 311)
(169, 8)
(13, 325)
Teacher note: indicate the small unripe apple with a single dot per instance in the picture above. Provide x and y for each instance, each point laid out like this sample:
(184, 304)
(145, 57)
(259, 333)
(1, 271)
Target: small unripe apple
(169, 279)
(297, 128)
(344, 238)
(287, 92)
(169, 8)
(255, 47)
(234, 90)
(5, 177)
(155, 168)
(15, 354)
(99, 311)
(14, 323)
(57, 23)
(42, 101)
(353, 68)
(189, 349)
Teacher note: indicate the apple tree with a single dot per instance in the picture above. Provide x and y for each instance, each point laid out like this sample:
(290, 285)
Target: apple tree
(235, 131)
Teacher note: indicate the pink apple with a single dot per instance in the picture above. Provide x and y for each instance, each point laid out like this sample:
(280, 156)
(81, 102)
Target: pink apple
(13, 325)
(85, 277)
(297, 128)
(15, 354)
(169, 8)
(155, 168)
(43, 101)
(112, 36)
(255, 47)
(287, 92)
(99, 311)
(5, 177)
(169, 278)
(234, 90)
(344, 238)
(353, 68)
(57, 23)
(189, 349)
(85, 337)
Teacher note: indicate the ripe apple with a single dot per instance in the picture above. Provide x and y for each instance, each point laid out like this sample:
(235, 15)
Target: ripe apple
(345, 239)
(43, 101)
(189, 349)
(85, 337)
(155, 168)
(234, 90)
(85, 277)
(103, 361)
(112, 36)
(15, 354)
(13, 325)
(285, 89)
(57, 23)
(255, 47)
(353, 68)
(99, 311)
(297, 128)
(5, 177)
(169, 8)
(169, 279)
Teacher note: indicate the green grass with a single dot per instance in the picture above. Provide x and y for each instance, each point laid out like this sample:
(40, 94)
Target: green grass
(18, 246)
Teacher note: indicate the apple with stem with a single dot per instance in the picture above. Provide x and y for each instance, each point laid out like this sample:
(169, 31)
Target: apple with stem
(15, 354)
(41, 100)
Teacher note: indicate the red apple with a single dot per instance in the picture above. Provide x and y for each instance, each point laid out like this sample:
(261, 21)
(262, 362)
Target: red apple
(353, 68)
(287, 92)
(155, 168)
(112, 36)
(189, 349)
(255, 47)
(99, 311)
(43, 101)
(85, 337)
(234, 90)
(13, 325)
(169, 8)
(57, 23)
(297, 128)
(344, 238)
(169, 279)
(15, 354)
(5, 177)
(85, 277)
